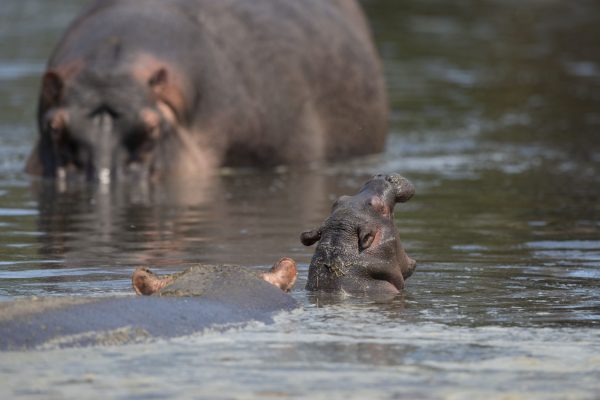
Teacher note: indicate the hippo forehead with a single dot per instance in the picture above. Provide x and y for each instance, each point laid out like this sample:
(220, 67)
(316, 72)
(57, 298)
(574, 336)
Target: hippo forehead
(352, 213)
(360, 205)
(117, 90)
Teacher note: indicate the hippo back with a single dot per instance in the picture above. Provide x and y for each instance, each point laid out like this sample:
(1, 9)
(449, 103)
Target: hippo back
(213, 297)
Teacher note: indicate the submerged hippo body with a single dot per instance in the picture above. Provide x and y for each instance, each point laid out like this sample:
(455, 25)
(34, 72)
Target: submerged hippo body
(201, 297)
(216, 280)
(185, 86)
(359, 248)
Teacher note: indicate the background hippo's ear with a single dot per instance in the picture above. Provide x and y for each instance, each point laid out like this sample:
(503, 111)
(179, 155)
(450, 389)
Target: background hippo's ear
(310, 237)
(403, 189)
(52, 89)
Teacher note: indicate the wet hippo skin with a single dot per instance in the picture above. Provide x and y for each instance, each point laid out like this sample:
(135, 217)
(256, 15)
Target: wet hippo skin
(185, 86)
(359, 249)
(203, 297)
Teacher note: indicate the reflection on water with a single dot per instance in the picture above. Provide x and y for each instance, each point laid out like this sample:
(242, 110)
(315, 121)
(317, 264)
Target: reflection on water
(496, 117)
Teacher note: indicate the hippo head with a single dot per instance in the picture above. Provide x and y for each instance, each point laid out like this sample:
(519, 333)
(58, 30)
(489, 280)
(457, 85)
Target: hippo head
(359, 249)
(104, 122)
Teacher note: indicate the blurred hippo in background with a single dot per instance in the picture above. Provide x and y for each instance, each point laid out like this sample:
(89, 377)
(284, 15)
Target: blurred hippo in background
(359, 248)
(145, 89)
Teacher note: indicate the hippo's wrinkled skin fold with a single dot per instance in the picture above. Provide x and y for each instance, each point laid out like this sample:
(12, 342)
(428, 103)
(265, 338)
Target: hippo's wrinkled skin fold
(359, 248)
(181, 87)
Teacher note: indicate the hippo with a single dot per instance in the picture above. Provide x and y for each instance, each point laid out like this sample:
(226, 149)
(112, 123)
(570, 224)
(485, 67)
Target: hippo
(203, 296)
(183, 87)
(359, 249)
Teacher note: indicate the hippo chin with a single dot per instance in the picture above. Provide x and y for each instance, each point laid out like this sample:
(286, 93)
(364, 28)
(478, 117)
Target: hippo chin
(181, 87)
(359, 248)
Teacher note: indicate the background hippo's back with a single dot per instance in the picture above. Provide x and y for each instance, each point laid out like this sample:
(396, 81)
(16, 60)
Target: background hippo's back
(253, 82)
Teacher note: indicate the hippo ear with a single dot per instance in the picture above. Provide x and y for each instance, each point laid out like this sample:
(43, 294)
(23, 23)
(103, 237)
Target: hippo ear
(310, 237)
(283, 274)
(52, 89)
(403, 189)
(147, 282)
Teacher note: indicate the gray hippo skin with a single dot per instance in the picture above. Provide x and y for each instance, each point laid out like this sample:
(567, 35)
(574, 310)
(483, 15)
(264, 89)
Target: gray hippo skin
(216, 280)
(359, 248)
(201, 297)
(184, 86)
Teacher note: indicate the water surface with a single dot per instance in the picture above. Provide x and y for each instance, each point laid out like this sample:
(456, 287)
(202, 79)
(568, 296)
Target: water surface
(496, 120)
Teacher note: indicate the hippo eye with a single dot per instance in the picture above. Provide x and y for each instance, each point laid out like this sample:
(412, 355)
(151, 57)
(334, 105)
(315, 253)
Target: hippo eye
(365, 240)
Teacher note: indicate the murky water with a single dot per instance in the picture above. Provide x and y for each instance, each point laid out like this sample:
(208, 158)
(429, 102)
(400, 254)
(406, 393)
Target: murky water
(496, 120)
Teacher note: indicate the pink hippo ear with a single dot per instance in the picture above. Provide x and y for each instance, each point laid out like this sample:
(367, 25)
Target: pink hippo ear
(283, 274)
(52, 89)
(147, 282)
